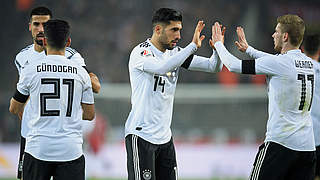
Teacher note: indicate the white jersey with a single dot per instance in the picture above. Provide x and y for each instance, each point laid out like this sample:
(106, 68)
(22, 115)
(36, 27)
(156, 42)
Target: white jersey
(57, 87)
(153, 78)
(27, 55)
(315, 108)
(290, 78)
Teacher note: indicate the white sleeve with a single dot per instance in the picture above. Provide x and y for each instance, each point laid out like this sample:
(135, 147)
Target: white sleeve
(78, 59)
(18, 65)
(23, 85)
(87, 93)
(231, 62)
(264, 65)
(255, 54)
(73, 55)
(148, 63)
(212, 64)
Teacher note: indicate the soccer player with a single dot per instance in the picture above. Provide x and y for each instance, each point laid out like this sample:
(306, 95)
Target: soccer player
(61, 96)
(154, 68)
(288, 151)
(312, 49)
(38, 17)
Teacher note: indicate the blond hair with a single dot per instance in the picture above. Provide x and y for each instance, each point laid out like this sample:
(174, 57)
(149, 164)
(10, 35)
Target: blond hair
(294, 26)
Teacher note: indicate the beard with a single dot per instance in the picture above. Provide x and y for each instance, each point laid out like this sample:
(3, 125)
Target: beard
(39, 41)
(278, 47)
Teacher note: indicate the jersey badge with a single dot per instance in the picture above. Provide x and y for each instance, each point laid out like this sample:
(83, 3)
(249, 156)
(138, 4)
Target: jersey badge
(146, 53)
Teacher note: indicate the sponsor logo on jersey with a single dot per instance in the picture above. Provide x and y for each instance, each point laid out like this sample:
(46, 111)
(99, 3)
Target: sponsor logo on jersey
(146, 53)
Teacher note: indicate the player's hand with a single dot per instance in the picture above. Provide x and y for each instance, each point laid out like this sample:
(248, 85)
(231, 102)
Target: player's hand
(211, 42)
(242, 43)
(216, 33)
(197, 37)
(96, 86)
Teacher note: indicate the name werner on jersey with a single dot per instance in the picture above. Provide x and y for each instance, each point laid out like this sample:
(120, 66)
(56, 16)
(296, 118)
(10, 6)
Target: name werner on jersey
(303, 64)
(44, 67)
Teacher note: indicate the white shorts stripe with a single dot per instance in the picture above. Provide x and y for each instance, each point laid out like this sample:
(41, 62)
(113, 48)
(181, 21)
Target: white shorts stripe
(135, 157)
(256, 169)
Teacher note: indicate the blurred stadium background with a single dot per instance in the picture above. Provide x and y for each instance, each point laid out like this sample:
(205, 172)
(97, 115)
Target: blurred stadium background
(219, 119)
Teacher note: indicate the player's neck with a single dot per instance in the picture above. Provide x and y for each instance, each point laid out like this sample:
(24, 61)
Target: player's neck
(38, 47)
(288, 47)
(156, 44)
(55, 52)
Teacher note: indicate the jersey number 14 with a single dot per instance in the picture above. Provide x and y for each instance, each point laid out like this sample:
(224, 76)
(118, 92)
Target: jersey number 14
(56, 95)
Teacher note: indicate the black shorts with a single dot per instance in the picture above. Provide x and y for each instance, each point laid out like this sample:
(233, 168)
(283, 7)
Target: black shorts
(35, 169)
(149, 161)
(276, 162)
(20, 164)
(318, 161)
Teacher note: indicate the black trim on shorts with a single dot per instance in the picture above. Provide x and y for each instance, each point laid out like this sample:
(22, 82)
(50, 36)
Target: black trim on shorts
(150, 161)
(275, 161)
(248, 66)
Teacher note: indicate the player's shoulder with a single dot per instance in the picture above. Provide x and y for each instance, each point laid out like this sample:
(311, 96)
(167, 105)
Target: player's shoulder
(70, 52)
(143, 49)
(24, 52)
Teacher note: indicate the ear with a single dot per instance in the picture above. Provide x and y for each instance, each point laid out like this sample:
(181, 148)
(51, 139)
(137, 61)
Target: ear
(68, 42)
(285, 37)
(30, 26)
(158, 29)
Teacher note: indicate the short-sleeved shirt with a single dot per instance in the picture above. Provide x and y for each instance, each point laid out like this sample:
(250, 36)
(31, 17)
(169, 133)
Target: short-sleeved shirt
(57, 87)
(28, 55)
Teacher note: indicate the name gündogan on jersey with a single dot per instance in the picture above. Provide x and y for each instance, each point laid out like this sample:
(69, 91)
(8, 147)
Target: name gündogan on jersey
(28, 55)
(57, 87)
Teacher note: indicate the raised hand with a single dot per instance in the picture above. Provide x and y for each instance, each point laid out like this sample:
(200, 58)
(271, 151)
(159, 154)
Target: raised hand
(216, 33)
(210, 40)
(242, 43)
(197, 37)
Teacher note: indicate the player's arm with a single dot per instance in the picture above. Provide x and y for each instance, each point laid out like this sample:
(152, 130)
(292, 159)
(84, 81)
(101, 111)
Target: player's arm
(243, 45)
(96, 86)
(17, 103)
(88, 111)
(75, 56)
(200, 63)
(264, 65)
(153, 65)
(87, 100)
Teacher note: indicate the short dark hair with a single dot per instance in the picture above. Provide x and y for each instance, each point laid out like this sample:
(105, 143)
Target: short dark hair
(311, 44)
(165, 15)
(41, 10)
(57, 33)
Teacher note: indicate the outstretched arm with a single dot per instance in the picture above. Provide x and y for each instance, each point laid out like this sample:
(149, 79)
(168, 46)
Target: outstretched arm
(243, 45)
(199, 63)
(153, 65)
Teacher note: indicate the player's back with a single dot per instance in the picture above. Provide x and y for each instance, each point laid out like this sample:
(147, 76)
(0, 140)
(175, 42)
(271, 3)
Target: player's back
(290, 99)
(56, 87)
